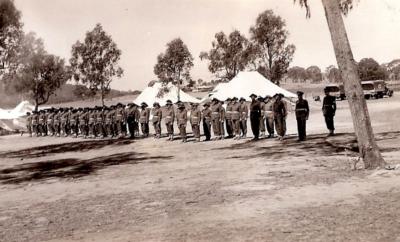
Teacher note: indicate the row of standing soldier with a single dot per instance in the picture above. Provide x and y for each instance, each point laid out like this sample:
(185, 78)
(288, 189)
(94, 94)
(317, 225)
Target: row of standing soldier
(266, 115)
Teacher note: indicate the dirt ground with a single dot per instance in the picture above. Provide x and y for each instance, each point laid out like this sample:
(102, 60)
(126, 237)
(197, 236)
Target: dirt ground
(64, 189)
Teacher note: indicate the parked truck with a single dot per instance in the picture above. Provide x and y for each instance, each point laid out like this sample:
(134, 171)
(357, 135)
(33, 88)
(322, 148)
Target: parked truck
(374, 89)
(336, 90)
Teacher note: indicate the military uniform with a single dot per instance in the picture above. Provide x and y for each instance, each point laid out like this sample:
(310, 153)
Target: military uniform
(50, 123)
(329, 110)
(132, 120)
(41, 123)
(74, 123)
(29, 124)
(269, 117)
(120, 120)
(92, 123)
(207, 122)
(100, 123)
(181, 119)
(156, 120)
(262, 118)
(64, 123)
(223, 114)
(228, 119)
(195, 118)
(57, 123)
(244, 113)
(216, 110)
(109, 122)
(236, 118)
(144, 121)
(280, 114)
(302, 111)
(169, 121)
(83, 122)
(255, 114)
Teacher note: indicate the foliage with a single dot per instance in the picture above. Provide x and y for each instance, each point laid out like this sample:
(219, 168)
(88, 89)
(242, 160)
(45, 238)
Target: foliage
(333, 74)
(175, 64)
(10, 34)
(271, 54)
(345, 6)
(369, 69)
(297, 74)
(95, 61)
(38, 73)
(314, 74)
(228, 55)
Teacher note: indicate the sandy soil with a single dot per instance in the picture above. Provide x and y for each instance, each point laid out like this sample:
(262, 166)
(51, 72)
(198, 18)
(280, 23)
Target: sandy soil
(64, 189)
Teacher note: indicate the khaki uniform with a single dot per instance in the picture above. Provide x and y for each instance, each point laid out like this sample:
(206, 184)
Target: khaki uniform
(144, 121)
(262, 118)
(169, 120)
(41, 124)
(64, 122)
(74, 123)
(156, 120)
(181, 119)
(280, 114)
(195, 118)
(109, 122)
(29, 125)
(132, 120)
(57, 123)
(83, 123)
(244, 113)
(269, 117)
(50, 123)
(120, 121)
(100, 123)
(92, 124)
(216, 110)
(228, 120)
(236, 118)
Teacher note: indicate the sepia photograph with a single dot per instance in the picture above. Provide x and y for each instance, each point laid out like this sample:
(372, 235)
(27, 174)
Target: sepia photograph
(199, 120)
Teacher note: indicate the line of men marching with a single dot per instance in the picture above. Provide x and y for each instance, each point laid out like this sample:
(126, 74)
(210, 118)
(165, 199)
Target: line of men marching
(267, 114)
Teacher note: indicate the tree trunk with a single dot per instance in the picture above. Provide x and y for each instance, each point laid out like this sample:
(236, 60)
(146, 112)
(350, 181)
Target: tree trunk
(179, 86)
(102, 94)
(369, 150)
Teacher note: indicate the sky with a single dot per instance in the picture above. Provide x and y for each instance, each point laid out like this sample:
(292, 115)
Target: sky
(141, 29)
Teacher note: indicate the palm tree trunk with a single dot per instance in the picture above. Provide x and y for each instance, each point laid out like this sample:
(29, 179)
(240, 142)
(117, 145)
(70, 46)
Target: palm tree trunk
(369, 150)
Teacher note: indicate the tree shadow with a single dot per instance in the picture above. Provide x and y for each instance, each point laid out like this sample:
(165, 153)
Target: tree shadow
(42, 151)
(71, 168)
(318, 145)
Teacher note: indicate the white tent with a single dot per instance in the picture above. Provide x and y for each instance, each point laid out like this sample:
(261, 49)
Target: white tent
(13, 119)
(152, 94)
(245, 84)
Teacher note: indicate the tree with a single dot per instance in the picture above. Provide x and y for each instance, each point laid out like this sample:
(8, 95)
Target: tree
(370, 70)
(174, 64)
(228, 55)
(297, 74)
(369, 150)
(82, 92)
(38, 73)
(272, 55)
(95, 61)
(10, 34)
(314, 74)
(333, 74)
(200, 81)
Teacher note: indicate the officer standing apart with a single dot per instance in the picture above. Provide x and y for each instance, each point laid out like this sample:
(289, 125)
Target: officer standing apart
(329, 110)
(169, 119)
(207, 121)
(302, 112)
(255, 114)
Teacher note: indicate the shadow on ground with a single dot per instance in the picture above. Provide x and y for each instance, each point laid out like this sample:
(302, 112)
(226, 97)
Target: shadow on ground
(318, 145)
(71, 168)
(42, 151)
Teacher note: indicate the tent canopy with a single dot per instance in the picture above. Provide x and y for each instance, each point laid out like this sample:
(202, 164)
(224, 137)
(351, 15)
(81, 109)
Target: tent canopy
(152, 94)
(245, 84)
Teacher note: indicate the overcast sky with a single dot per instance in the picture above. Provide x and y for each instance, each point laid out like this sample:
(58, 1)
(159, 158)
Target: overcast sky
(141, 28)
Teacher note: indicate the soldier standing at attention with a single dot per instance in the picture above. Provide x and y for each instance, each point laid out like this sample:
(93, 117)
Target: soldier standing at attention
(235, 117)
(244, 113)
(99, 122)
(57, 122)
(29, 123)
(222, 120)
(280, 114)
(83, 122)
(195, 118)
(144, 119)
(302, 112)
(41, 123)
(156, 120)
(228, 118)
(50, 122)
(74, 121)
(181, 119)
(262, 118)
(207, 121)
(269, 116)
(169, 120)
(255, 114)
(120, 119)
(216, 110)
(130, 113)
(92, 123)
(329, 110)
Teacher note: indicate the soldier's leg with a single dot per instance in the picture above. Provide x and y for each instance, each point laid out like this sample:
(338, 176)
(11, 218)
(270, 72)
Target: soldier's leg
(222, 130)
(29, 128)
(255, 126)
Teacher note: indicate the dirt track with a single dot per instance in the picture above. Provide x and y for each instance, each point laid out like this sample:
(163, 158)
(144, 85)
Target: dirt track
(122, 190)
